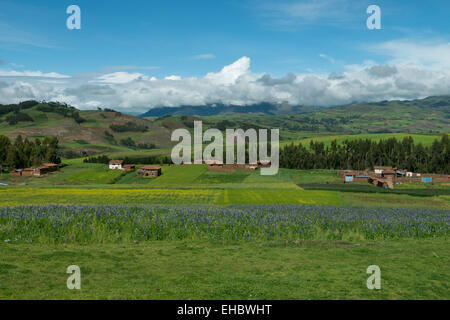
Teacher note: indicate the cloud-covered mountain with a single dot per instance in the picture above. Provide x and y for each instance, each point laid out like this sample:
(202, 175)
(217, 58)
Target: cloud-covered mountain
(414, 71)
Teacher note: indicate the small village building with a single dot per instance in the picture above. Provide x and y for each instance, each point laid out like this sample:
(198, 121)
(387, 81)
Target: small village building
(400, 173)
(116, 165)
(39, 171)
(28, 172)
(388, 173)
(382, 183)
(214, 162)
(129, 167)
(51, 166)
(381, 169)
(353, 175)
(16, 173)
(149, 172)
(427, 179)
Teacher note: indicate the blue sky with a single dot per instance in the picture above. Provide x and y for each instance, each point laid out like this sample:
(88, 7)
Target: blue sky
(141, 40)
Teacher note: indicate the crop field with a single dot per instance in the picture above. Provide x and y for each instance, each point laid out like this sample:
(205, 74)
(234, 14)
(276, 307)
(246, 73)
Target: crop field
(133, 196)
(103, 224)
(92, 184)
(238, 252)
(198, 234)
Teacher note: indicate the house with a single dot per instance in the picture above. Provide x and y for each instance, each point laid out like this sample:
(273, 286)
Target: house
(382, 183)
(16, 173)
(388, 173)
(214, 162)
(400, 173)
(28, 172)
(39, 171)
(35, 171)
(51, 166)
(427, 179)
(129, 167)
(149, 172)
(116, 164)
(380, 169)
(353, 175)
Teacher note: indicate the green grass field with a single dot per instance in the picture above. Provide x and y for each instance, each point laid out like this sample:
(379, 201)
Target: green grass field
(410, 269)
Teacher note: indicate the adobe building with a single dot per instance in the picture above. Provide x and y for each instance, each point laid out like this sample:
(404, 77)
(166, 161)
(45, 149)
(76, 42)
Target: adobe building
(149, 172)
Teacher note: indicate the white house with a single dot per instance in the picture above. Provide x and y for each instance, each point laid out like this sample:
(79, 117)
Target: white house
(380, 169)
(116, 165)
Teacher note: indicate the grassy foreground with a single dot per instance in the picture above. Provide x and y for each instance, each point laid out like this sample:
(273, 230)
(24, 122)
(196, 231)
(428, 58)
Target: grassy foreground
(410, 269)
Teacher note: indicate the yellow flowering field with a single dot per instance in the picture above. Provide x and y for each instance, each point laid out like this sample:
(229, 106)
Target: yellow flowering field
(134, 196)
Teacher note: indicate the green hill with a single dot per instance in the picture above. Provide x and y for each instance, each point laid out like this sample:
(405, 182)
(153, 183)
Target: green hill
(87, 132)
(83, 132)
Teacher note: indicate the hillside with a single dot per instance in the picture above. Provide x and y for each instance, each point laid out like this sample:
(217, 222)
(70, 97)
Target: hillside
(90, 132)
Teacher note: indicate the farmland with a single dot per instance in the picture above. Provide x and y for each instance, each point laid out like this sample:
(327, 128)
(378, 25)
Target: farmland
(112, 224)
(193, 233)
(262, 252)
(92, 184)
(220, 235)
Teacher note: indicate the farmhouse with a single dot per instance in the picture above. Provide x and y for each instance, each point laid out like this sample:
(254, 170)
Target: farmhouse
(353, 175)
(129, 167)
(116, 164)
(35, 171)
(28, 172)
(379, 182)
(51, 166)
(388, 177)
(214, 162)
(16, 173)
(39, 171)
(381, 169)
(149, 172)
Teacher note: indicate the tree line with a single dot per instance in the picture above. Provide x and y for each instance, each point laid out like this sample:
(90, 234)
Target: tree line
(132, 160)
(23, 153)
(361, 154)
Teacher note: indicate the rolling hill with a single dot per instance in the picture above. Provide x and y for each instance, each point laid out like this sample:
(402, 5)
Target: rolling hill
(87, 132)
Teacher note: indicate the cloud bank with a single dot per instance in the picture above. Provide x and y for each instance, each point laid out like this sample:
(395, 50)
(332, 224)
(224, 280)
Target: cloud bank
(414, 71)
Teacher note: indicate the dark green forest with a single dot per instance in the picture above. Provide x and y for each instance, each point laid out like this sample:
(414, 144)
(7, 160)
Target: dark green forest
(364, 153)
(22, 153)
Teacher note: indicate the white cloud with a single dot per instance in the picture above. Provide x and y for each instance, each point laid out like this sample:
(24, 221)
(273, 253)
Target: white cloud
(229, 74)
(236, 84)
(433, 54)
(173, 77)
(204, 56)
(120, 77)
(13, 73)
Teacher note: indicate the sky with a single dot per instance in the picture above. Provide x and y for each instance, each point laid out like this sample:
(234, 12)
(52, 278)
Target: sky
(139, 54)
